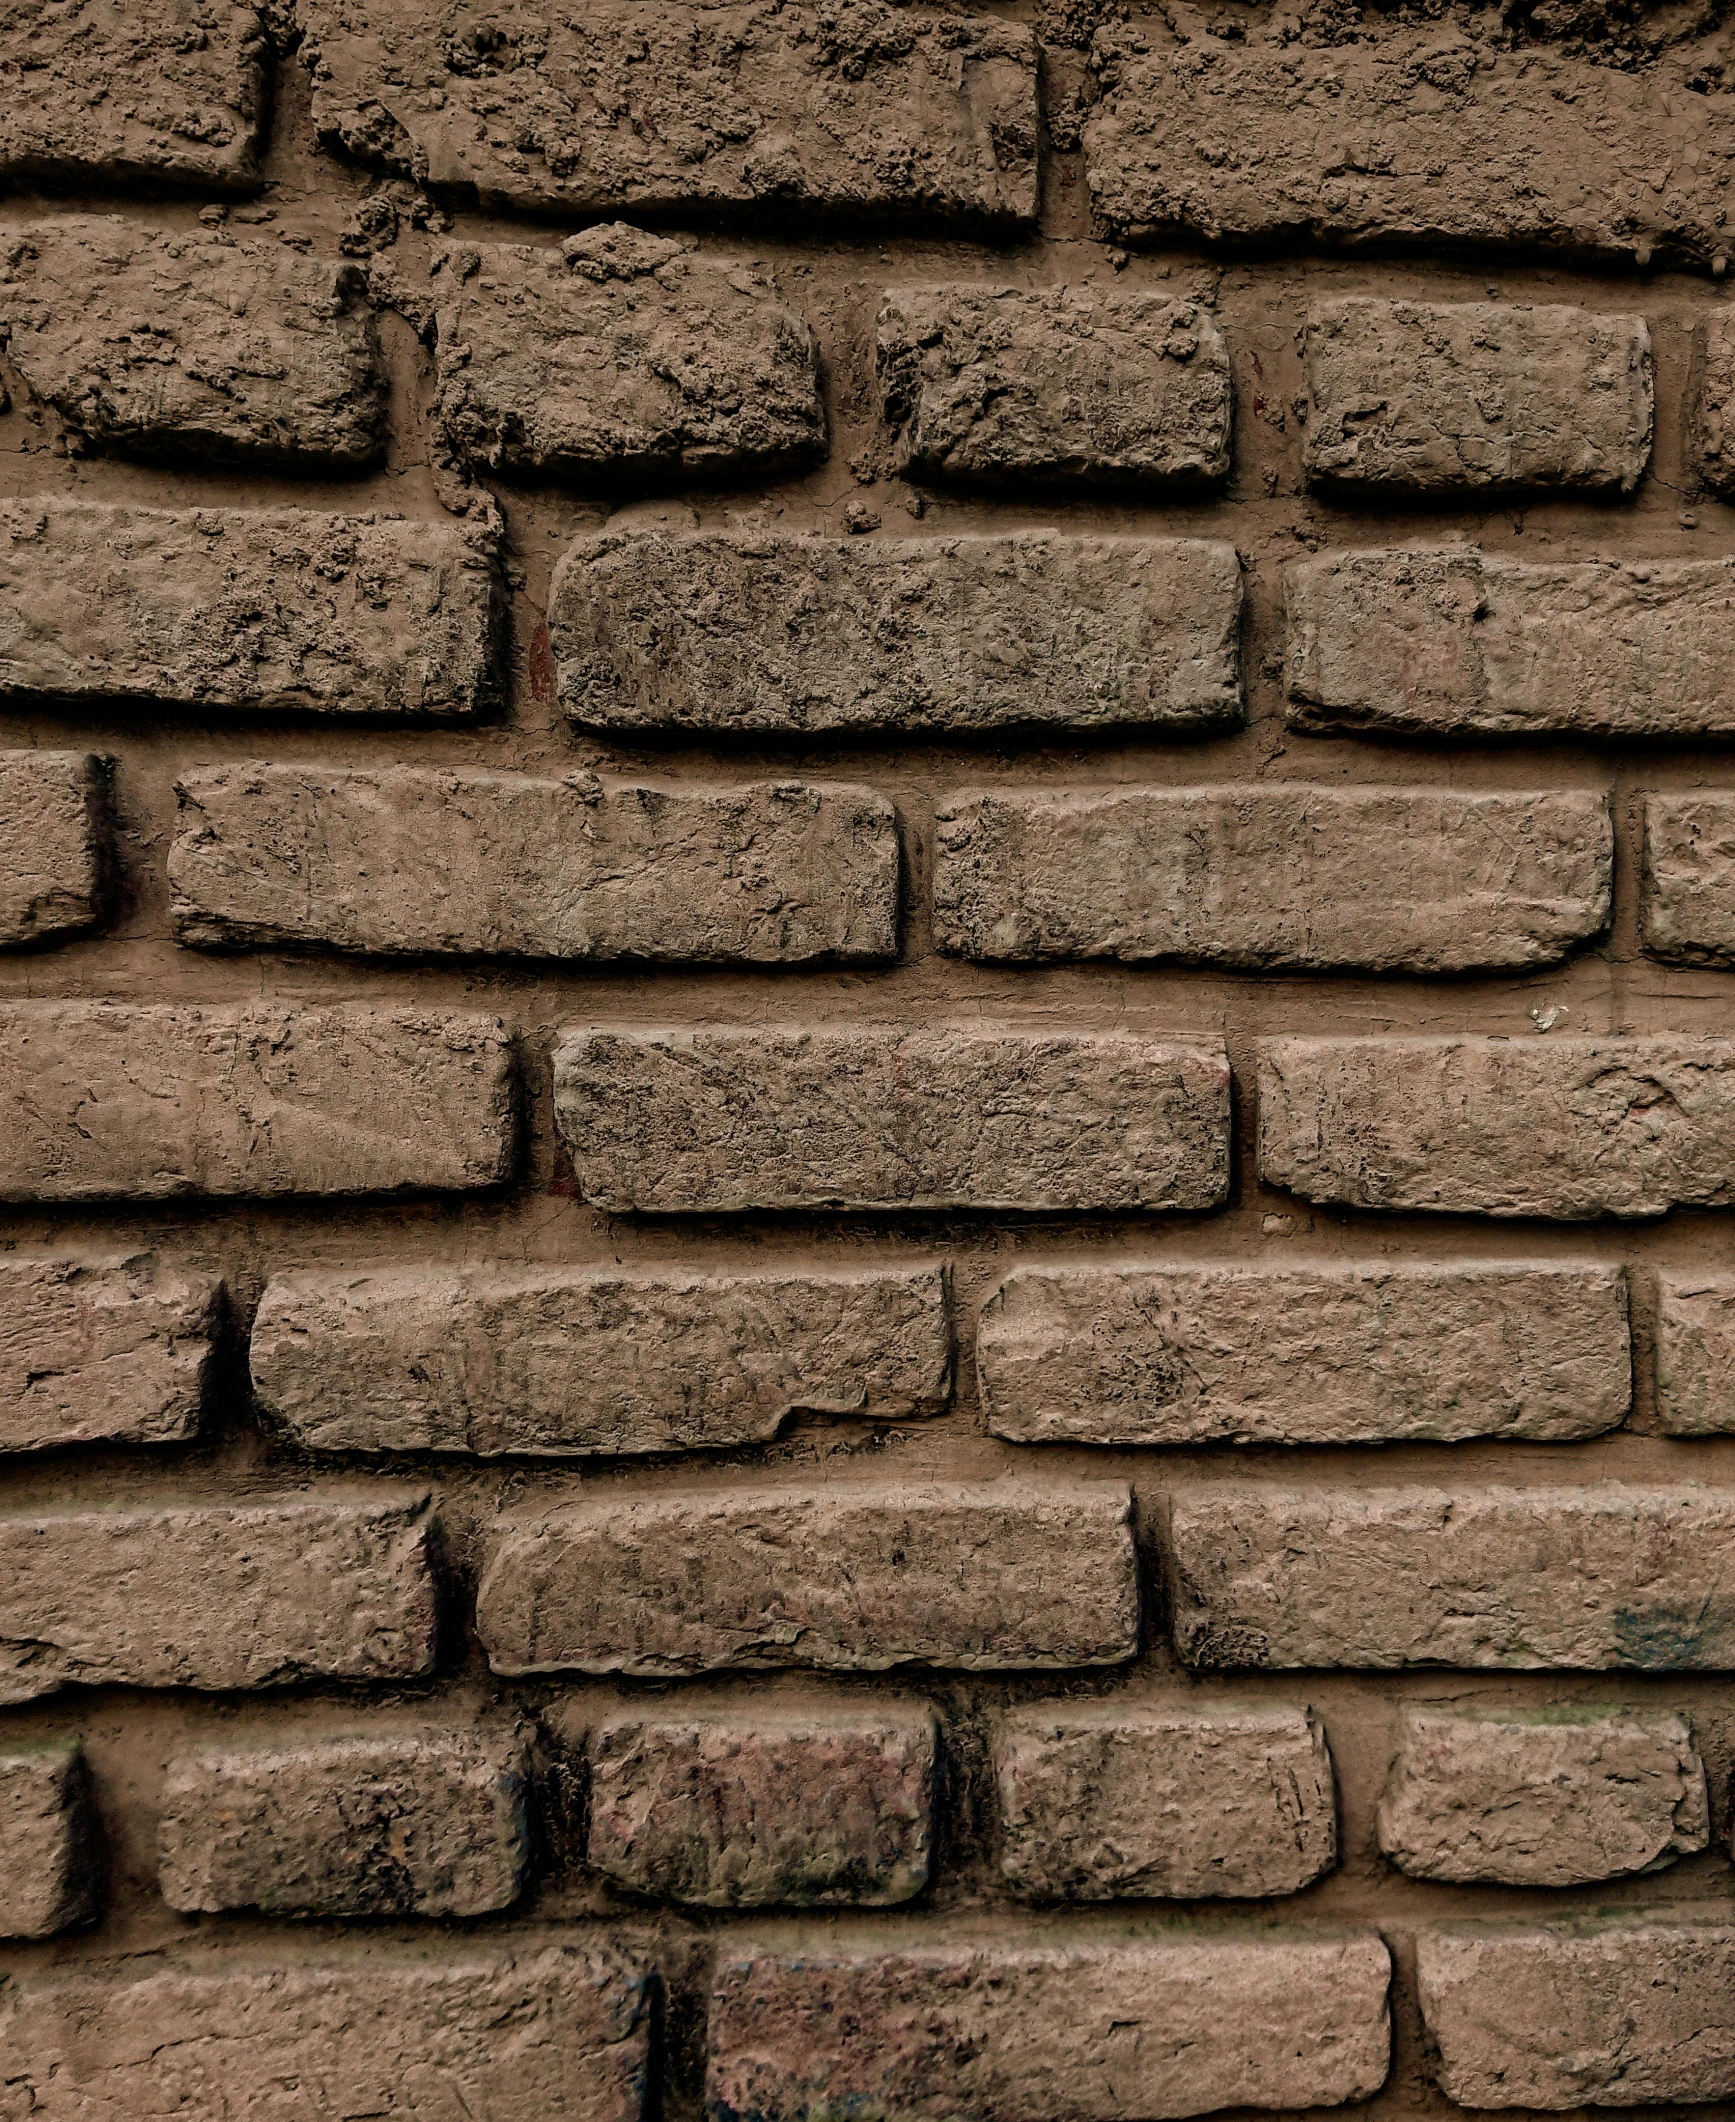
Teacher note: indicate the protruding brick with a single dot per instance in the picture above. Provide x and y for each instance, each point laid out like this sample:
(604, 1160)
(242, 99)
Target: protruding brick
(1532, 1579)
(1303, 1355)
(423, 1823)
(572, 1360)
(1695, 1342)
(812, 1807)
(220, 1595)
(1382, 879)
(154, 1104)
(1146, 2030)
(48, 1873)
(1714, 436)
(1104, 1799)
(1687, 911)
(876, 1116)
(981, 1579)
(1554, 1798)
(400, 859)
(988, 384)
(55, 845)
(714, 630)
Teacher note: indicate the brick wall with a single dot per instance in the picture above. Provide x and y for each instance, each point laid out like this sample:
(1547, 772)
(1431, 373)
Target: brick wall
(867, 892)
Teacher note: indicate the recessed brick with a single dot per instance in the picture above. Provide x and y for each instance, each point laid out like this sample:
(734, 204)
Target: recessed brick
(1687, 911)
(1695, 1344)
(56, 846)
(48, 1839)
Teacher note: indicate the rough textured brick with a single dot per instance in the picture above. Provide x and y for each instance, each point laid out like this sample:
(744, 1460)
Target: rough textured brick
(1386, 879)
(1095, 2031)
(672, 1359)
(260, 1099)
(1431, 397)
(880, 1117)
(1695, 1343)
(1575, 1579)
(882, 112)
(1714, 435)
(1303, 1355)
(222, 1595)
(1105, 1799)
(48, 1875)
(1565, 1128)
(815, 1807)
(1555, 1798)
(227, 610)
(861, 1579)
(1687, 913)
(394, 859)
(987, 384)
(1580, 2015)
(389, 1824)
(55, 845)
(729, 631)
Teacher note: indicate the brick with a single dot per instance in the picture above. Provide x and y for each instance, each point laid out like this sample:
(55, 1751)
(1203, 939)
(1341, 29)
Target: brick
(386, 1824)
(230, 1595)
(985, 384)
(1695, 1344)
(1714, 436)
(1381, 879)
(400, 859)
(673, 1359)
(561, 2035)
(860, 1579)
(261, 1100)
(48, 1839)
(731, 631)
(814, 1808)
(1303, 1355)
(1687, 907)
(1431, 397)
(1580, 2015)
(1096, 2031)
(1563, 1128)
(56, 847)
(719, 110)
(880, 1117)
(1105, 1799)
(1555, 1798)
(1530, 1579)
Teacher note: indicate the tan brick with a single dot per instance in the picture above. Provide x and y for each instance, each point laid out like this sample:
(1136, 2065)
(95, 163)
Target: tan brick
(1695, 1344)
(716, 630)
(860, 1579)
(1687, 909)
(1713, 437)
(55, 846)
(1382, 879)
(48, 1839)
(873, 1116)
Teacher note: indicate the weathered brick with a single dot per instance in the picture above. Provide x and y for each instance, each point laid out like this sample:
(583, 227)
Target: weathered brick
(394, 859)
(1714, 435)
(48, 1876)
(1687, 908)
(730, 631)
(1565, 1128)
(751, 108)
(55, 845)
(1385, 879)
(986, 384)
(861, 1579)
(424, 1823)
(1555, 1798)
(814, 1807)
(1431, 397)
(881, 1117)
(228, 610)
(1303, 1355)
(1104, 1799)
(1155, 2028)
(1695, 1344)
(259, 1099)
(216, 1595)
(1573, 1579)
(672, 1359)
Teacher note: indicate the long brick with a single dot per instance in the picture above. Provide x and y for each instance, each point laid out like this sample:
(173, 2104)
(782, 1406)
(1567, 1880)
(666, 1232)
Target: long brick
(881, 1117)
(1532, 1579)
(757, 1806)
(981, 1579)
(731, 631)
(1695, 1345)
(1303, 1355)
(1104, 1799)
(255, 611)
(220, 1595)
(55, 846)
(48, 1839)
(257, 1099)
(1557, 1798)
(1381, 879)
(1713, 438)
(1095, 2031)
(673, 1359)
(1687, 907)
(396, 859)
(1557, 1127)
(735, 109)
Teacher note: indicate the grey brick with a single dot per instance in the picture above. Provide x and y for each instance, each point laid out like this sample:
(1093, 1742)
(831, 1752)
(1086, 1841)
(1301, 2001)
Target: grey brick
(48, 1839)
(56, 848)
